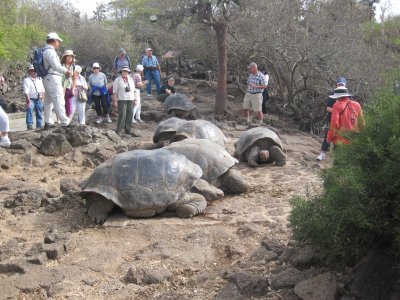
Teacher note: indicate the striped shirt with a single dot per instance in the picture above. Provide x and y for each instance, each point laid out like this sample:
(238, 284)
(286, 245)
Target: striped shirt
(257, 79)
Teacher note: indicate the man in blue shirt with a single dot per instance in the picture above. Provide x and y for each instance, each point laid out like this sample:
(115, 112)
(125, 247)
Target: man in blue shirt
(152, 70)
(253, 98)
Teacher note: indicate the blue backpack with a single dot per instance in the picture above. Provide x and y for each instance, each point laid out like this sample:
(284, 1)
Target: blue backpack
(38, 62)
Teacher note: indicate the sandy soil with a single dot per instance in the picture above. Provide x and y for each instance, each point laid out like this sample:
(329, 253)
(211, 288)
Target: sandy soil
(53, 250)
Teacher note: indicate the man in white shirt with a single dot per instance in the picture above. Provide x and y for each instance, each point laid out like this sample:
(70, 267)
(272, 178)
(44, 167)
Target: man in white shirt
(34, 93)
(53, 83)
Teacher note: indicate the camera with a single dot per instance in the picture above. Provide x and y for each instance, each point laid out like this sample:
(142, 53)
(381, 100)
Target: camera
(128, 89)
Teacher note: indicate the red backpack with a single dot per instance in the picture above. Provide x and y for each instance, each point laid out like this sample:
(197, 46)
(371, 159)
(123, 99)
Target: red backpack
(348, 117)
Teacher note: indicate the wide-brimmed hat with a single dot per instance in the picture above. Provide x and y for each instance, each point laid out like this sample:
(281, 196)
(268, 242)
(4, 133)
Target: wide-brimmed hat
(126, 68)
(149, 49)
(31, 68)
(96, 65)
(340, 93)
(139, 68)
(53, 36)
(78, 69)
(252, 65)
(68, 53)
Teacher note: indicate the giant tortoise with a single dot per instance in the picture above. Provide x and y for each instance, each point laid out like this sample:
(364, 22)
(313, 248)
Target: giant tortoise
(166, 129)
(260, 145)
(200, 129)
(215, 162)
(144, 183)
(178, 105)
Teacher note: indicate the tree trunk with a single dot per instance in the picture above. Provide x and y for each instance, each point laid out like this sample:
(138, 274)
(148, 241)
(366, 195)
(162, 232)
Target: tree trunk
(221, 33)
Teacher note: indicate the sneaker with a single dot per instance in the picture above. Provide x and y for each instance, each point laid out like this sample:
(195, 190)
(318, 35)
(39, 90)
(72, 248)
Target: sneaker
(148, 95)
(5, 142)
(99, 120)
(134, 121)
(321, 157)
(108, 120)
(140, 120)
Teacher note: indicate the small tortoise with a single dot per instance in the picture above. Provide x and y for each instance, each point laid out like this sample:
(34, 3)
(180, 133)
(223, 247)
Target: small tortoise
(200, 129)
(178, 105)
(144, 183)
(167, 129)
(260, 145)
(215, 162)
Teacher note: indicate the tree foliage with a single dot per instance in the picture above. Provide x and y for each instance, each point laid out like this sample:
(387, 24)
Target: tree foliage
(360, 205)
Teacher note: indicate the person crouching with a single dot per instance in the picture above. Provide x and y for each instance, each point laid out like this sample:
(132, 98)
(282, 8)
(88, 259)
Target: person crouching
(123, 96)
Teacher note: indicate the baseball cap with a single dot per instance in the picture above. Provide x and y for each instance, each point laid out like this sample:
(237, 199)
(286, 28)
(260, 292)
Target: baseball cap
(31, 68)
(122, 51)
(96, 65)
(53, 36)
(252, 65)
(341, 80)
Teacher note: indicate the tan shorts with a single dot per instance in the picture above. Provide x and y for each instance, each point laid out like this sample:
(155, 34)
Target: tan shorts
(253, 102)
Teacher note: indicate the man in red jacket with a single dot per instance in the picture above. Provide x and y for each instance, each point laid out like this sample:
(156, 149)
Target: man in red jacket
(345, 116)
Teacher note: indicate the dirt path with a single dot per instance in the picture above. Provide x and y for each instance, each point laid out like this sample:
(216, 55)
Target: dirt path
(158, 258)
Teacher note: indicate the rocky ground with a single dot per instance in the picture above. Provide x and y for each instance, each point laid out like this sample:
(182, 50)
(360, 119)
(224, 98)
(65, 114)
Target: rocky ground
(240, 248)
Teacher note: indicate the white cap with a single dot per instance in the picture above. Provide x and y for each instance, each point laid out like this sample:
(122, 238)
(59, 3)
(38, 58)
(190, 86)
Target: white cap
(149, 49)
(31, 68)
(96, 65)
(53, 36)
(139, 68)
(78, 68)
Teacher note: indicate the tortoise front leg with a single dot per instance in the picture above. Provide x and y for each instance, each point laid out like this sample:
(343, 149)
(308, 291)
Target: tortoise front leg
(209, 191)
(277, 155)
(191, 205)
(253, 156)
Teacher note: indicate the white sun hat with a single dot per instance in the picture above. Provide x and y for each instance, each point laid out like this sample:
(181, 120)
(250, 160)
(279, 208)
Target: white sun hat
(53, 36)
(78, 69)
(340, 93)
(96, 65)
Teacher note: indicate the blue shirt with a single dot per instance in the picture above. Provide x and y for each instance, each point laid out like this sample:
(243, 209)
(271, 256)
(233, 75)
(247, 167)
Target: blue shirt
(150, 62)
(257, 79)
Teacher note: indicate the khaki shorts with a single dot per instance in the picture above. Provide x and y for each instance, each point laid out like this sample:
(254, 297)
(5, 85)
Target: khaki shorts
(253, 102)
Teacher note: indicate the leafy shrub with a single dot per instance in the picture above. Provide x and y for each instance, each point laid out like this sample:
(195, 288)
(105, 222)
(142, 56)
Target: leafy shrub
(360, 205)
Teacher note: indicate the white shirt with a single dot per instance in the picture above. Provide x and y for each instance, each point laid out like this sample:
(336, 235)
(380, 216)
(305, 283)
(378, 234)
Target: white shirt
(32, 86)
(266, 76)
(119, 88)
(51, 59)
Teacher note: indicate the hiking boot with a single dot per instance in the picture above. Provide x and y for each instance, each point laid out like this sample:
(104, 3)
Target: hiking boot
(5, 142)
(99, 120)
(29, 127)
(321, 157)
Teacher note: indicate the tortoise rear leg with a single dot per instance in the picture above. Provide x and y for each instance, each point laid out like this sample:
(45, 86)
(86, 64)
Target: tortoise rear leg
(276, 154)
(99, 209)
(191, 205)
(253, 156)
(234, 182)
(209, 191)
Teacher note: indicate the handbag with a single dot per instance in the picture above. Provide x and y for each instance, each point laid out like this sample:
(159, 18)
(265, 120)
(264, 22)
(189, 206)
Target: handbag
(82, 96)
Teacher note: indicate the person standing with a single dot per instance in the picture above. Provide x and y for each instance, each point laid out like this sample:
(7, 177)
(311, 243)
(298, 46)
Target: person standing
(347, 115)
(266, 91)
(340, 83)
(123, 96)
(53, 83)
(167, 90)
(99, 93)
(4, 124)
(34, 94)
(122, 60)
(152, 70)
(253, 98)
(137, 105)
(67, 61)
(78, 85)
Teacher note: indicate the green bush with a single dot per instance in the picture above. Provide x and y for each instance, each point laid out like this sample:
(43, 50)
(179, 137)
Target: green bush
(359, 207)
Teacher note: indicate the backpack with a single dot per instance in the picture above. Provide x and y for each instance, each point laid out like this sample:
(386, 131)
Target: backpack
(38, 62)
(348, 117)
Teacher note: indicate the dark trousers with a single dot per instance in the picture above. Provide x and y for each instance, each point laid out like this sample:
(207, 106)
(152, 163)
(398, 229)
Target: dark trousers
(101, 105)
(265, 99)
(125, 114)
(325, 143)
